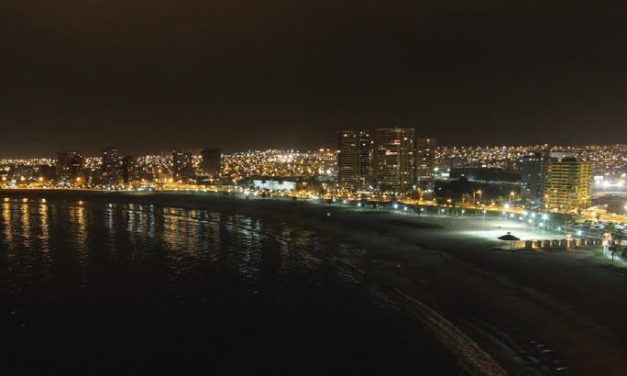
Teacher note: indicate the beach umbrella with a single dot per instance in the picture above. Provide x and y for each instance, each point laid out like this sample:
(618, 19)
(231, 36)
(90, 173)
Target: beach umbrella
(508, 238)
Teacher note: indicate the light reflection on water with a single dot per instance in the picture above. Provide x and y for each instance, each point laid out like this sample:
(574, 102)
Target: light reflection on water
(71, 234)
(257, 284)
(6, 222)
(44, 236)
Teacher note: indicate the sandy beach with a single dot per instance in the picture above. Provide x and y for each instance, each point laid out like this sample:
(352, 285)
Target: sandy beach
(547, 313)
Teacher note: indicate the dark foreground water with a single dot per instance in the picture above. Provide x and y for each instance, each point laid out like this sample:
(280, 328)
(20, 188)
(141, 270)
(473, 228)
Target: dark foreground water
(113, 288)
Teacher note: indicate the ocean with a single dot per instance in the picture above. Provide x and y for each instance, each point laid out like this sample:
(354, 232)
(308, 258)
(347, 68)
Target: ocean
(131, 288)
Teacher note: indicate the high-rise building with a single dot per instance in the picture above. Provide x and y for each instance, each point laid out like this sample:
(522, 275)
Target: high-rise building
(354, 158)
(425, 163)
(182, 166)
(533, 170)
(211, 161)
(111, 169)
(69, 166)
(567, 184)
(394, 159)
(129, 170)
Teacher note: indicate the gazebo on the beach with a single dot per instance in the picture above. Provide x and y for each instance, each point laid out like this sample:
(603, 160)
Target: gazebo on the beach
(509, 238)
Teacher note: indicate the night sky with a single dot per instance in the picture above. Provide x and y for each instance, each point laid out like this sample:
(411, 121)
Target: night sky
(147, 75)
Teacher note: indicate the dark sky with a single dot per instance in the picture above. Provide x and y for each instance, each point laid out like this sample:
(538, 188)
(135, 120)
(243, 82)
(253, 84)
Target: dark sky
(239, 74)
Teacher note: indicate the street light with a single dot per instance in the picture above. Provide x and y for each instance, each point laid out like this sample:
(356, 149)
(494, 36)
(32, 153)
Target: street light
(474, 198)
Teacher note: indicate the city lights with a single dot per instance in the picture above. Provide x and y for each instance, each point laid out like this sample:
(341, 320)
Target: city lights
(314, 175)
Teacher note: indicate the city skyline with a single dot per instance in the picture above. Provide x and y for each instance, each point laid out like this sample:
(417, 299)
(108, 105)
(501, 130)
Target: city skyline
(312, 187)
(44, 150)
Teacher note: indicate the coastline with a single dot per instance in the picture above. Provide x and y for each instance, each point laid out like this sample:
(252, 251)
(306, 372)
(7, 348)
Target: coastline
(431, 260)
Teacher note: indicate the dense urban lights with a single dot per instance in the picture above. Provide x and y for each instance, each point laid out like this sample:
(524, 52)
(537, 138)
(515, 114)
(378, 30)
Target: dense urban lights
(308, 174)
(607, 160)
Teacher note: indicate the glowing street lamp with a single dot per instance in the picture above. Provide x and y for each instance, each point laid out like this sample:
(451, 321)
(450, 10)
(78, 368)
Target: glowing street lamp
(474, 198)
(512, 196)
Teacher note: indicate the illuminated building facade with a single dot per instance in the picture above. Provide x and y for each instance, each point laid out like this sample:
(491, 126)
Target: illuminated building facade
(354, 158)
(183, 166)
(111, 169)
(394, 159)
(274, 184)
(567, 183)
(425, 163)
(69, 166)
(533, 171)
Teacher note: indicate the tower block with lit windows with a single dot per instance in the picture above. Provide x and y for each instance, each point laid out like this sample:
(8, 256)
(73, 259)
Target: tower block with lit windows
(425, 163)
(112, 167)
(533, 173)
(567, 184)
(394, 159)
(69, 168)
(354, 159)
(183, 167)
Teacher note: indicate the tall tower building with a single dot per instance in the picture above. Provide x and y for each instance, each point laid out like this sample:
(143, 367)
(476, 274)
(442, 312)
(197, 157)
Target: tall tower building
(211, 161)
(111, 169)
(395, 159)
(567, 184)
(533, 171)
(425, 163)
(354, 158)
(69, 166)
(182, 166)
(129, 169)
